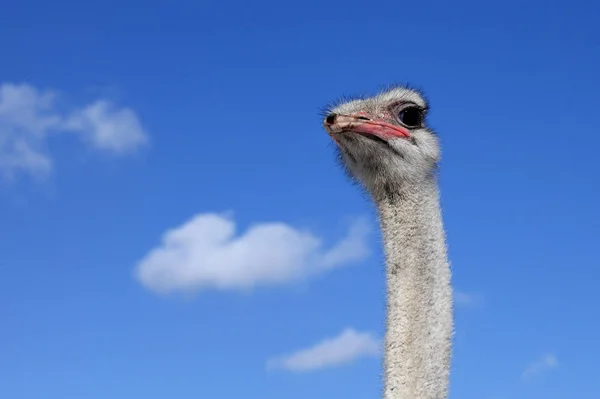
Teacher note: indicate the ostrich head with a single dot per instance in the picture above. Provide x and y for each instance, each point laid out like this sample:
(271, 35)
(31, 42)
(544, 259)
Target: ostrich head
(383, 141)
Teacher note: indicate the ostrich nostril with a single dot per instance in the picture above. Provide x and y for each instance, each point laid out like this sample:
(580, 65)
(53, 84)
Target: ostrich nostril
(330, 120)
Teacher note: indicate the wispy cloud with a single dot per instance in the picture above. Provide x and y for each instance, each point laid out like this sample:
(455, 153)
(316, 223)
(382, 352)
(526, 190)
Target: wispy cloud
(546, 363)
(467, 299)
(205, 252)
(30, 117)
(347, 347)
(107, 127)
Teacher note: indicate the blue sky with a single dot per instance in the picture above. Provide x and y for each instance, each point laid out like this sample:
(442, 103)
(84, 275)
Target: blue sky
(125, 120)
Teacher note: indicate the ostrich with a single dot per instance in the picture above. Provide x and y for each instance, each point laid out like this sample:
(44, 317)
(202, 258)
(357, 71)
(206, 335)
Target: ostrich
(385, 145)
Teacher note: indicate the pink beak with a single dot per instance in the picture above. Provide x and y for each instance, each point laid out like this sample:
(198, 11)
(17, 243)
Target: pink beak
(337, 123)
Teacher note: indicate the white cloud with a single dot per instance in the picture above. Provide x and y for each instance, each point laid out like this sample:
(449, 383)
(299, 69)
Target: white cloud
(29, 117)
(467, 300)
(546, 363)
(347, 347)
(205, 252)
(108, 128)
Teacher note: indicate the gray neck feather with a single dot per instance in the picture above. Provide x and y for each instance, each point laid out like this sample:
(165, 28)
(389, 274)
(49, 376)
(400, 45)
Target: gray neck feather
(419, 295)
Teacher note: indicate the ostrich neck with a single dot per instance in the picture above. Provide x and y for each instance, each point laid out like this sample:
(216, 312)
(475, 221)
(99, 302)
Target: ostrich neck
(419, 296)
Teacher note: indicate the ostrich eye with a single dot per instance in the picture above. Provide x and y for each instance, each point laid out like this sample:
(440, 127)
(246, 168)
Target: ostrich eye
(411, 117)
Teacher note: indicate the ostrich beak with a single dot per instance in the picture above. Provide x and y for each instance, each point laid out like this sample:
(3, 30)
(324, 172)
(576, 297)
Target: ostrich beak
(338, 123)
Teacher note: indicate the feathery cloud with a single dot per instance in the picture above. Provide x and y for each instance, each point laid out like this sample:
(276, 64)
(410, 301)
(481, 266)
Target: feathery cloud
(546, 363)
(205, 252)
(29, 118)
(347, 347)
(467, 299)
